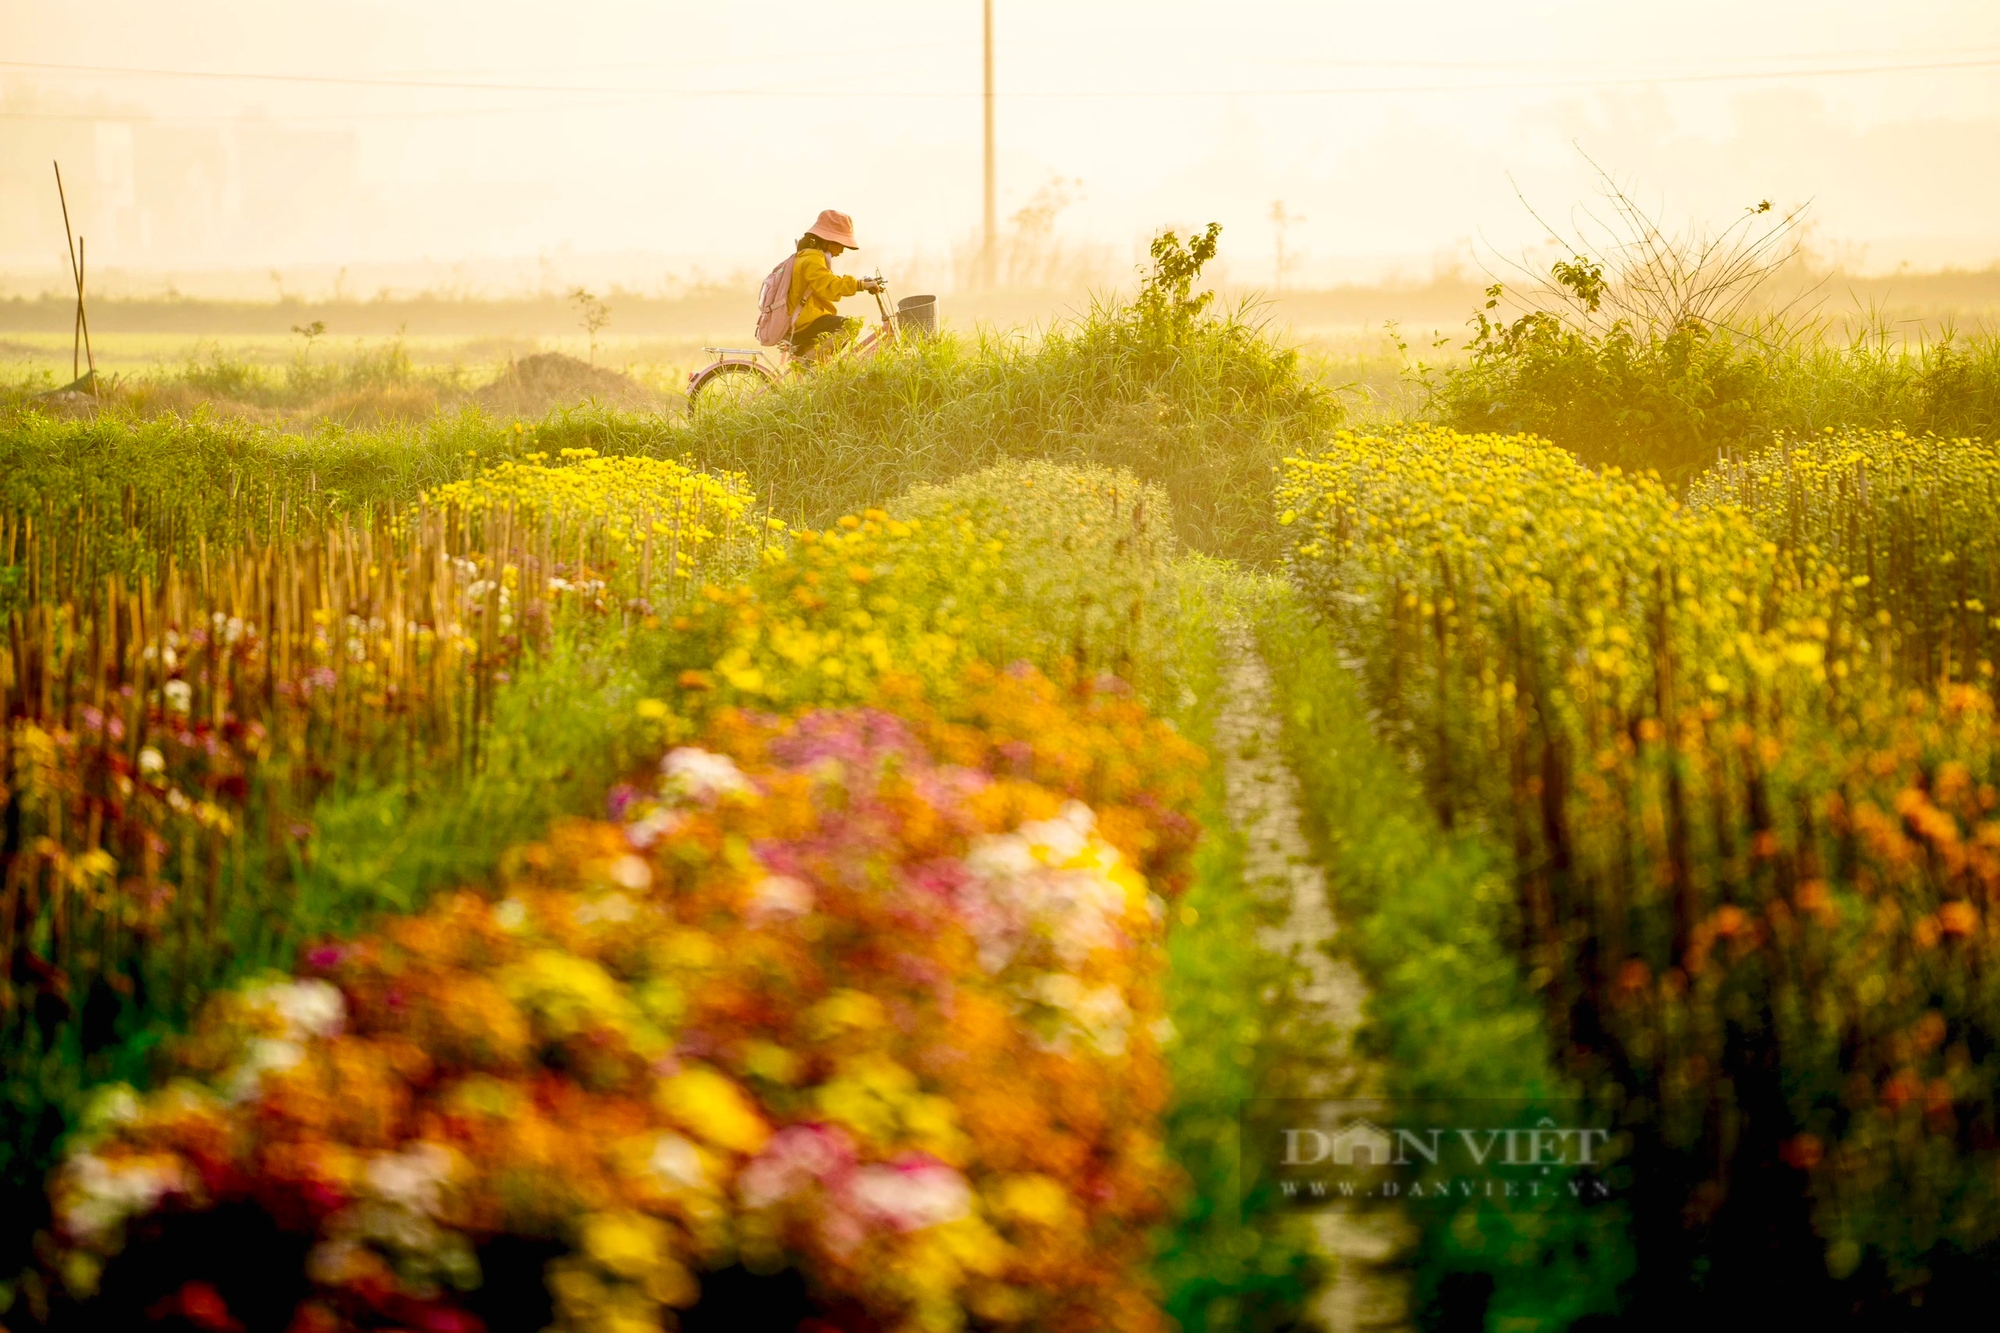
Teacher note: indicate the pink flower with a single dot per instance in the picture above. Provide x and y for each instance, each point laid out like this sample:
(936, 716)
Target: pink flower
(619, 800)
(911, 1193)
(797, 1157)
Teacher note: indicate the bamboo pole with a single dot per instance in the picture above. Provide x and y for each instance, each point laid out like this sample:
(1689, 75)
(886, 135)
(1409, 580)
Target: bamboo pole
(81, 330)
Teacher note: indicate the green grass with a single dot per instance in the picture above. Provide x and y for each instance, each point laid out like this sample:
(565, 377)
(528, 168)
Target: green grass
(1235, 1258)
(1429, 917)
(276, 379)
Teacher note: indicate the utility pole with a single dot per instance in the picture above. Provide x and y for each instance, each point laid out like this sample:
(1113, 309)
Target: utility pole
(989, 254)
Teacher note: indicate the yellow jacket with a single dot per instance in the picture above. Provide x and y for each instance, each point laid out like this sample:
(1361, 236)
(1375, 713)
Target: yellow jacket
(815, 288)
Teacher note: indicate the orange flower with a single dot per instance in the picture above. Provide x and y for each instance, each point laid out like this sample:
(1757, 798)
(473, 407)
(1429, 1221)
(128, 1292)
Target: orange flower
(1802, 1151)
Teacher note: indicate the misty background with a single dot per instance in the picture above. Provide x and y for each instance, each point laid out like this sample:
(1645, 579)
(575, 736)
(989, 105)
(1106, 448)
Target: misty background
(230, 147)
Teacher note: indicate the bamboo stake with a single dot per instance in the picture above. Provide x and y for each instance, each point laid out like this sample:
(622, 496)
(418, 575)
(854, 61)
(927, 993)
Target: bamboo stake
(81, 330)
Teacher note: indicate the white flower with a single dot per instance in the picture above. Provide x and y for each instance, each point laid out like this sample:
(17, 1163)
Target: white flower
(1050, 878)
(778, 897)
(632, 873)
(178, 694)
(1001, 855)
(98, 1195)
(414, 1178)
(511, 915)
(151, 761)
(910, 1198)
(702, 774)
(1062, 838)
(1106, 1017)
(678, 1163)
(643, 832)
(1098, 1014)
(314, 1007)
(310, 1008)
(613, 907)
(305, 1010)
(1058, 990)
(266, 1055)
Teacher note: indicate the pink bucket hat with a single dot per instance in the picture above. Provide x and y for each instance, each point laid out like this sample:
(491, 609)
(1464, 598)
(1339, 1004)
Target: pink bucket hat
(835, 227)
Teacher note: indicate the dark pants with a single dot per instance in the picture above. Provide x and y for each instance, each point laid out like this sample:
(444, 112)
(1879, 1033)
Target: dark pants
(806, 335)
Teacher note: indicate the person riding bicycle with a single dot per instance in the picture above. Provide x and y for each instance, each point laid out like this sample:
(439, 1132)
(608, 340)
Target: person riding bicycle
(816, 288)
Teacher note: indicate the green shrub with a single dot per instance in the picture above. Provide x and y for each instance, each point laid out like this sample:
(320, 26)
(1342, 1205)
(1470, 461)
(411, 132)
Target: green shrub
(1670, 398)
(1628, 396)
(1651, 348)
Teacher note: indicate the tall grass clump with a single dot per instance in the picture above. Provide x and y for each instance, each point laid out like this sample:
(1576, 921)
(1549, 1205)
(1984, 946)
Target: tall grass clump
(1648, 350)
(374, 383)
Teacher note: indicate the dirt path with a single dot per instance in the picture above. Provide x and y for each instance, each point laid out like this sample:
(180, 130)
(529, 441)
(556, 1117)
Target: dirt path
(1362, 1291)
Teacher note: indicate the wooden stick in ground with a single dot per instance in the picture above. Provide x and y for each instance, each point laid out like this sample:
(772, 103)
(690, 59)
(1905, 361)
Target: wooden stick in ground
(83, 320)
(75, 272)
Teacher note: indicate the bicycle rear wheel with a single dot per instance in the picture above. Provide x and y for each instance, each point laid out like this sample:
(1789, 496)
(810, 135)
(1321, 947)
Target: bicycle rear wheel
(728, 385)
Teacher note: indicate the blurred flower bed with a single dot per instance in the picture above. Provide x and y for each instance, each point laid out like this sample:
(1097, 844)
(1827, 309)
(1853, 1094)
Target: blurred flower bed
(876, 997)
(1739, 760)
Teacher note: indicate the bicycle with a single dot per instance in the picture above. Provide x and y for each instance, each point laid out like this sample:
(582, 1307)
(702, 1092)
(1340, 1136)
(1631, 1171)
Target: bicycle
(738, 373)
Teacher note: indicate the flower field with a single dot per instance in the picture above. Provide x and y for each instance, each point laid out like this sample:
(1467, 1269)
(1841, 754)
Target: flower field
(1912, 518)
(1737, 758)
(759, 1014)
(481, 876)
(854, 970)
(168, 737)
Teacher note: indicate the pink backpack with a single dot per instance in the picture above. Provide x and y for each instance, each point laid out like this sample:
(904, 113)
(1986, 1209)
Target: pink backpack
(775, 311)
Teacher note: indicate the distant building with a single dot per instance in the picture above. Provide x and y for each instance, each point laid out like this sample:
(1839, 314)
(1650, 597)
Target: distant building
(153, 195)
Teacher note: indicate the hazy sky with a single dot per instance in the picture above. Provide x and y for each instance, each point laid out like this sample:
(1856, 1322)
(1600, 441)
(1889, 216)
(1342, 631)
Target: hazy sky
(708, 134)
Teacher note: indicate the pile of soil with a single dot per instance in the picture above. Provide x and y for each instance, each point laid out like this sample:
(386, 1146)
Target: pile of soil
(535, 384)
(70, 403)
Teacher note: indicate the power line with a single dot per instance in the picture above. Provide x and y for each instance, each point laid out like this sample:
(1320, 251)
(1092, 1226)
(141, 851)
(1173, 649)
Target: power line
(318, 118)
(1169, 94)
(1949, 53)
(388, 80)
